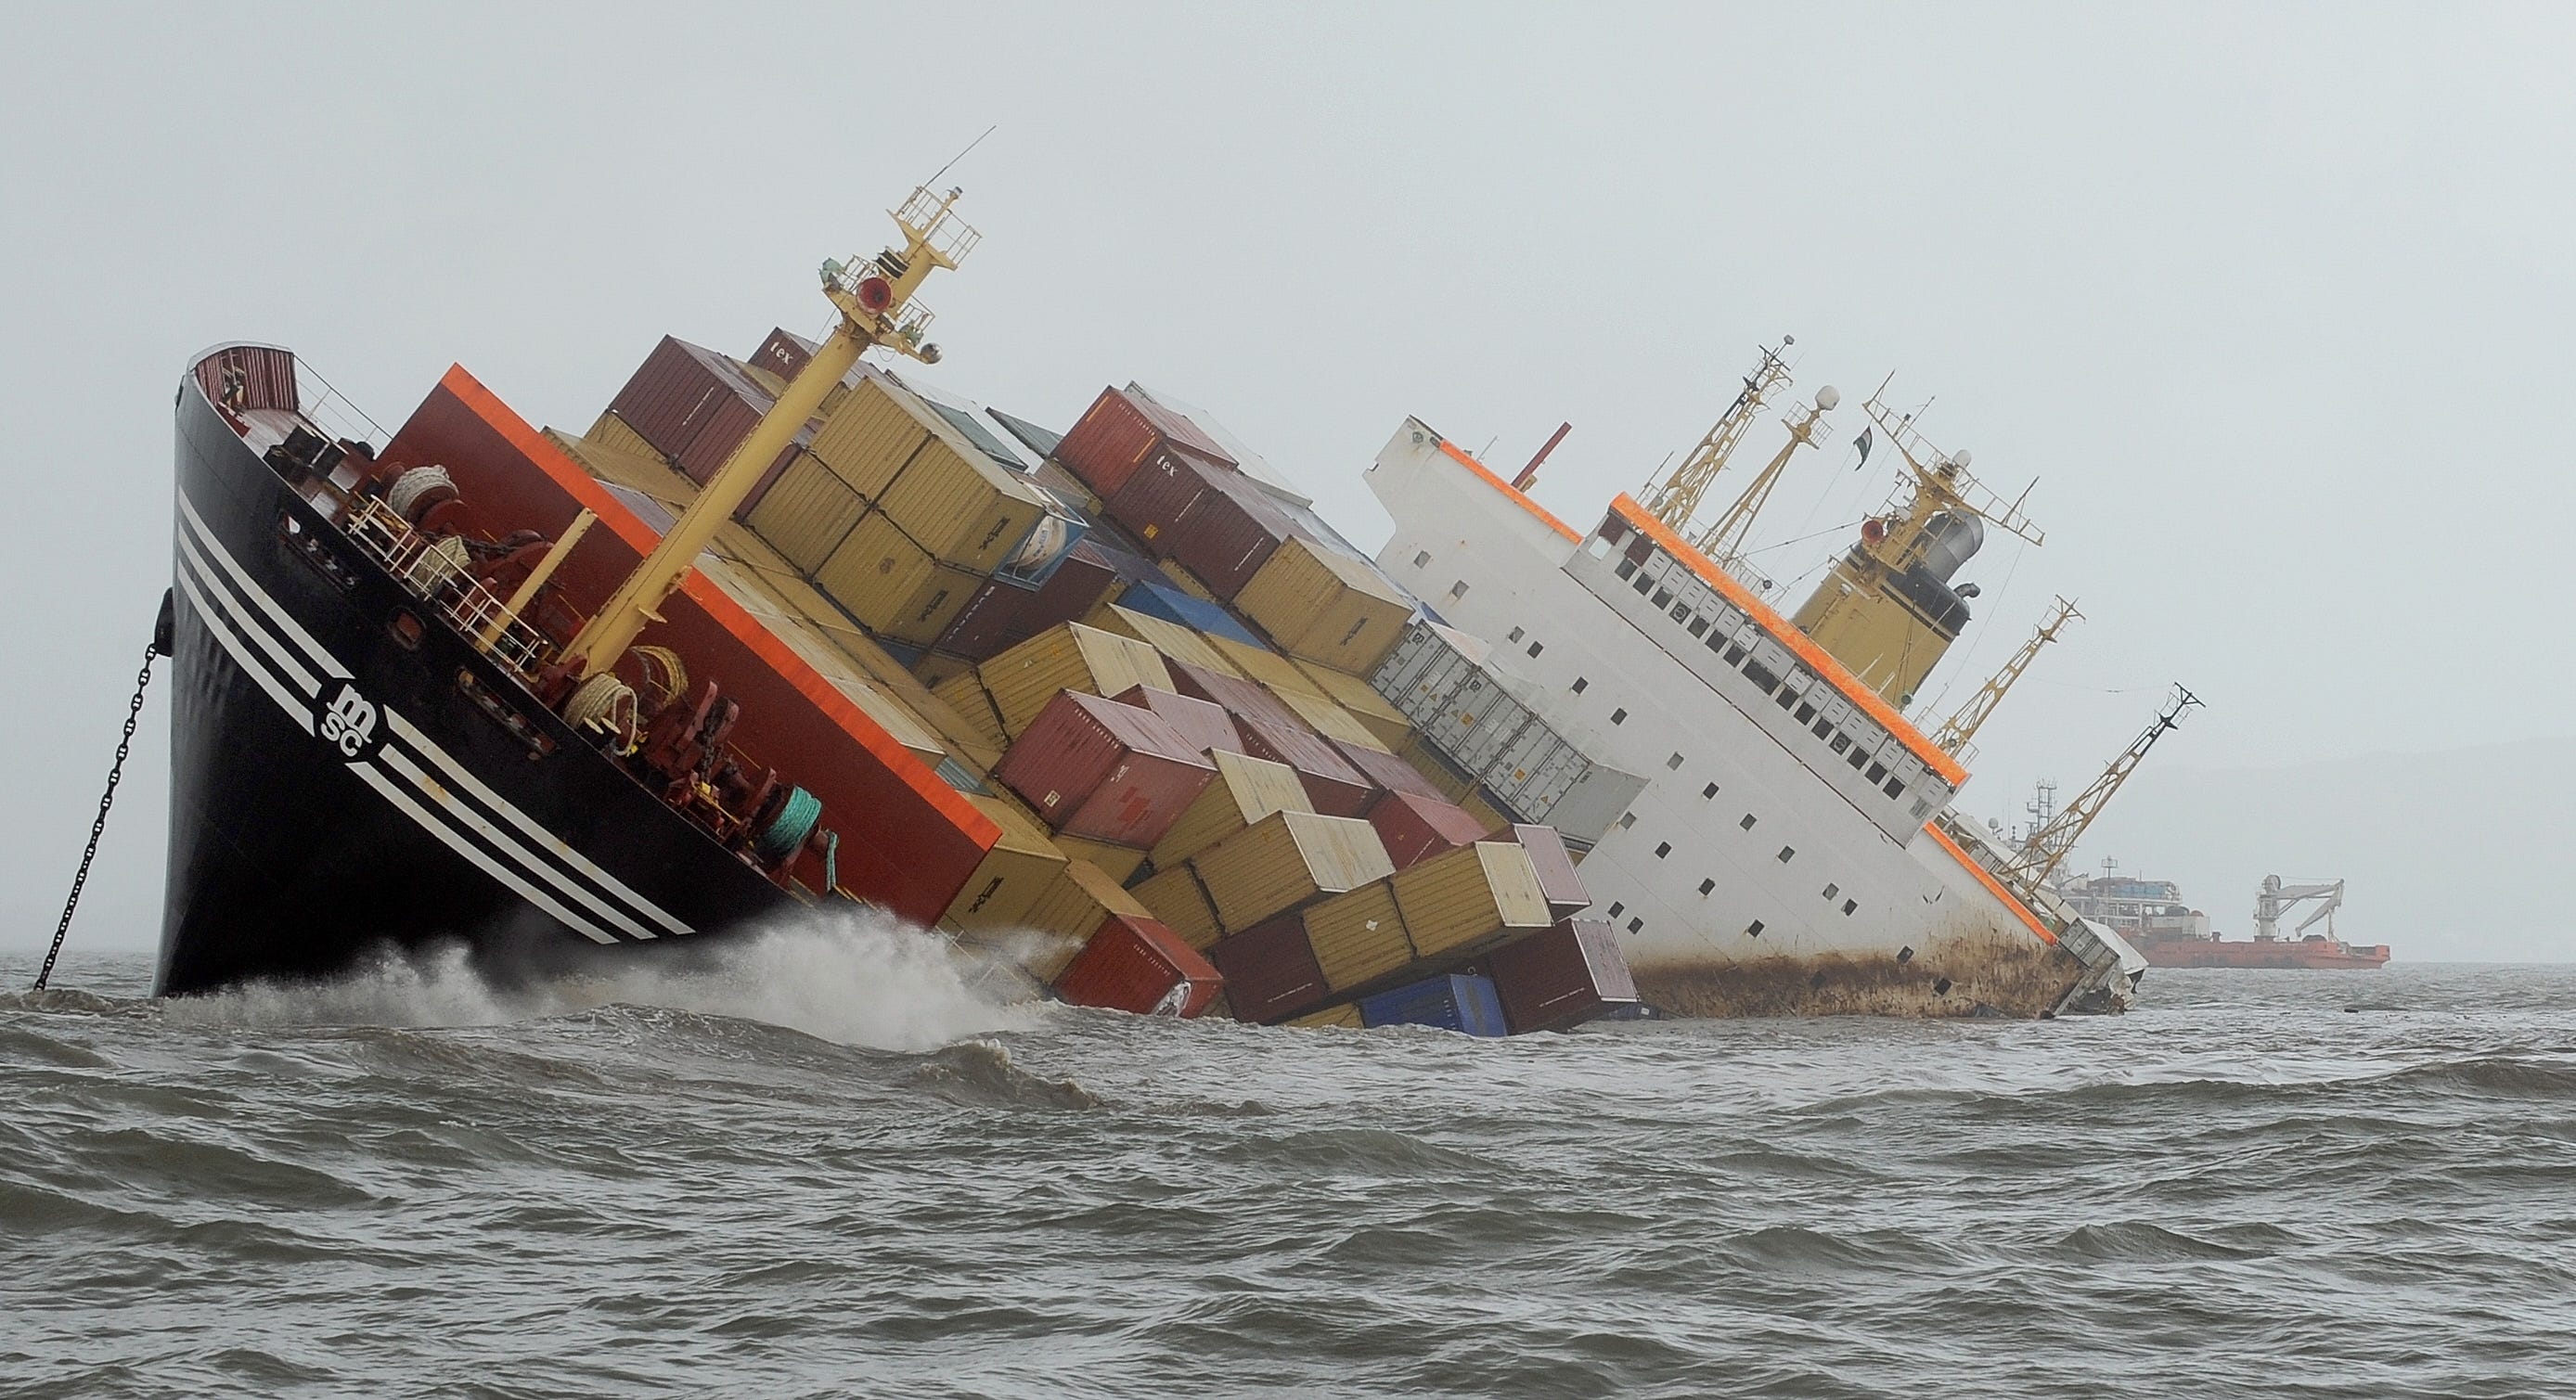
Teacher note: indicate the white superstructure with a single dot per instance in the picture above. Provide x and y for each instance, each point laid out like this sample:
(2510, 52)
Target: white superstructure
(1781, 856)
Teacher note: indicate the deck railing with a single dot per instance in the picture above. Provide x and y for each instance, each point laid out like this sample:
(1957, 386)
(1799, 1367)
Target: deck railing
(438, 571)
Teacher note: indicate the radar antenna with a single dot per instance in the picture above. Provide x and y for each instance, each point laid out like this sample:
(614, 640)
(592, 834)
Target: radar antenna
(2050, 840)
(1675, 500)
(1955, 732)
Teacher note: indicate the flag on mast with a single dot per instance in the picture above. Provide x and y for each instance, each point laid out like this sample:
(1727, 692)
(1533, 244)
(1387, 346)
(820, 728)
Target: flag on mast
(1862, 442)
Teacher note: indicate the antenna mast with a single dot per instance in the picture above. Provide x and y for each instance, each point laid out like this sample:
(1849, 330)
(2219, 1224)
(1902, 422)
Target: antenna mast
(1955, 732)
(1675, 500)
(1725, 539)
(2049, 842)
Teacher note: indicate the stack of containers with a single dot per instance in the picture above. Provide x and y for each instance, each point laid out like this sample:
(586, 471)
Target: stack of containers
(1416, 828)
(1120, 433)
(1454, 1001)
(1215, 523)
(1138, 965)
(1320, 605)
(1019, 869)
(1260, 882)
(1205, 727)
(1002, 614)
(1562, 977)
(1068, 656)
(1470, 901)
(1103, 771)
(693, 405)
(1273, 731)
(1245, 791)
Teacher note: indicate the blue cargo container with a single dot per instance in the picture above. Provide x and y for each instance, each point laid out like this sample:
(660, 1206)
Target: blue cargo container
(1198, 614)
(1457, 1002)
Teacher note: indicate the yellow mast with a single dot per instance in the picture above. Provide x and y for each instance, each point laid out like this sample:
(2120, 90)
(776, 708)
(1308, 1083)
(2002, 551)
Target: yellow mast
(874, 298)
(1725, 539)
(1959, 728)
(2049, 842)
(1675, 500)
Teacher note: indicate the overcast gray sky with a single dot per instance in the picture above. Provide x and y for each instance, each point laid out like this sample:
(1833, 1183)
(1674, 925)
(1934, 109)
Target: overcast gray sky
(2272, 301)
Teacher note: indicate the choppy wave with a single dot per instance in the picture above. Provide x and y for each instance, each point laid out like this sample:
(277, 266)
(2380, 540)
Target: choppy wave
(839, 1161)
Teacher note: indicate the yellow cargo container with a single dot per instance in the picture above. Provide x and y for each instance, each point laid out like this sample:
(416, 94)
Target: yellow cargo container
(877, 573)
(1480, 804)
(1329, 719)
(934, 605)
(1346, 1017)
(1324, 606)
(1358, 937)
(1119, 863)
(1174, 641)
(1187, 582)
(807, 512)
(1464, 901)
(872, 434)
(965, 694)
(1020, 869)
(1286, 861)
(1245, 791)
(1356, 695)
(1176, 898)
(1429, 762)
(1080, 900)
(1267, 668)
(960, 505)
(611, 432)
(1068, 656)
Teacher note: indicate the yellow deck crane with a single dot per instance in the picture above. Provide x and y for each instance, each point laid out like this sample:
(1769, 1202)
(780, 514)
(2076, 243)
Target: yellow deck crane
(1955, 732)
(1674, 502)
(1724, 541)
(2049, 841)
(874, 299)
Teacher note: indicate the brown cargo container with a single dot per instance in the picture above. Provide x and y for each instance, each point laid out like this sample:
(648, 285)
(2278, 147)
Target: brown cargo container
(1358, 938)
(1241, 698)
(1019, 869)
(1141, 967)
(1177, 898)
(1270, 972)
(692, 404)
(1174, 641)
(1245, 791)
(1068, 656)
(1557, 882)
(1118, 432)
(1323, 606)
(806, 512)
(1416, 828)
(1471, 899)
(1109, 772)
(1079, 901)
(1160, 498)
(1002, 615)
(1206, 727)
(1390, 772)
(1332, 784)
(783, 353)
(1356, 695)
(1119, 863)
(1235, 529)
(1562, 977)
(1286, 861)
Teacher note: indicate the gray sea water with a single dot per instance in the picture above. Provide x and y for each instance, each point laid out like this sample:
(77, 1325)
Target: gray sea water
(840, 1168)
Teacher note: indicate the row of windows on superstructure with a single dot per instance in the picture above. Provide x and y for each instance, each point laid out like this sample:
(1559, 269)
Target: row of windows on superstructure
(1788, 692)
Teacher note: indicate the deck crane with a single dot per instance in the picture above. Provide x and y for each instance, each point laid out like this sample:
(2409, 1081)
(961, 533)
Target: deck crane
(1724, 540)
(2277, 898)
(1955, 732)
(2049, 841)
(1675, 500)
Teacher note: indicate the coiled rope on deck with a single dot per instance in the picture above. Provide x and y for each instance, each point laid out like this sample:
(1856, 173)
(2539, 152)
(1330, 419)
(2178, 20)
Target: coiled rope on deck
(789, 829)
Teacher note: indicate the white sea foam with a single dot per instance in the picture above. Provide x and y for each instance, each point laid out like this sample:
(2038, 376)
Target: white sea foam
(851, 977)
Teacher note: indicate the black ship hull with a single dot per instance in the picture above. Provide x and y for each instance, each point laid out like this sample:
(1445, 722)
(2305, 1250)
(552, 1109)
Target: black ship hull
(350, 773)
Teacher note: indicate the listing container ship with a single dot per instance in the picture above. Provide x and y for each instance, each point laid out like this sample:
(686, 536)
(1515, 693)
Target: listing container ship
(1114, 708)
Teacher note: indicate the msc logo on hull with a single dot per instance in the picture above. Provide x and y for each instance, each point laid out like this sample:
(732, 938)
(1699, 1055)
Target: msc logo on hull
(348, 721)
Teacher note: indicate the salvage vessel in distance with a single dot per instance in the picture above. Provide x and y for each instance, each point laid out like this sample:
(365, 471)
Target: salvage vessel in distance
(2153, 917)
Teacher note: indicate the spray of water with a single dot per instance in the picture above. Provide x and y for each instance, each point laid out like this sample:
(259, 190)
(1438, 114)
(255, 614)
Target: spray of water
(856, 978)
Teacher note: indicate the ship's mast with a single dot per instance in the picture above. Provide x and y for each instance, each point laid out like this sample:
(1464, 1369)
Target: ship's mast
(1725, 540)
(2049, 842)
(1679, 496)
(874, 298)
(1955, 732)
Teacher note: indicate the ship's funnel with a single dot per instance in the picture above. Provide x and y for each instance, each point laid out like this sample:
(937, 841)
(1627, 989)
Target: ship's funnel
(1949, 542)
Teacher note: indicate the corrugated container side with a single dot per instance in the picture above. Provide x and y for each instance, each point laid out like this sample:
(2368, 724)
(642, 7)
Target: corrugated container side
(1390, 772)
(1197, 614)
(1332, 784)
(1358, 937)
(1108, 772)
(1480, 804)
(783, 353)
(1068, 656)
(966, 695)
(1241, 698)
(1234, 531)
(1415, 828)
(1343, 1017)
(1454, 1002)
(1178, 428)
(1080, 900)
(869, 437)
(1383, 720)
(611, 431)
(1561, 977)
(1435, 767)
(1174, 641)
(1106, 444)
(1177, 898)
(1557, 882)
(1181, 578)
(876, 574)
(1470, 899)
(958, 504)
(1266, 668)
(1245, 791)
(1160, 499)
(1270, 972)
(1005, 615)
(806, 512)
(1334, 723)
(1019, 869)
(1139, 966)
(1204, 726)
(1286, 861)
(991, 621)
(250, 376)
(1119, 863)
(933, 606)
(1322, 606)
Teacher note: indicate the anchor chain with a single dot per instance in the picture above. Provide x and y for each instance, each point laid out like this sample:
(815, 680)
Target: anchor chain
(115, 774)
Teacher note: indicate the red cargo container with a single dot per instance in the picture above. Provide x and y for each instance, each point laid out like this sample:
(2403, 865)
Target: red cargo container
(1135, 964)
(1557, 881)
(1159, 499)
(1232, 532)
(1198, 722)
(1241, 698)
(694, 405)
(1561, 977)
(1104, 771)
(1334, 786)
(1118, 432)
(1386, 770)
(1270, 970)
(1001, 615)
(783, 353)
(1416, 828)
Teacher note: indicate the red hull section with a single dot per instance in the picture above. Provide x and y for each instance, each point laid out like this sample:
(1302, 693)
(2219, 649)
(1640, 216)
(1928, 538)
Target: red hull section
(2319, 952)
